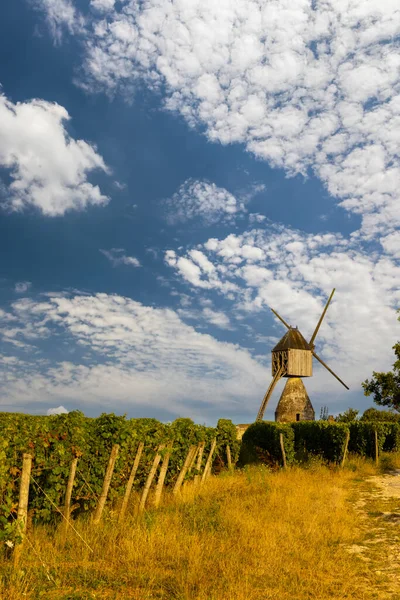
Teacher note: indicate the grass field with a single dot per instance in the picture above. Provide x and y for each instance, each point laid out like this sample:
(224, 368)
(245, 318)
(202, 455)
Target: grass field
(251, 535)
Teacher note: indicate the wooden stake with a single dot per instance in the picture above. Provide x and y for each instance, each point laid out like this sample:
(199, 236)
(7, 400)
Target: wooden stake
(131, 479)
(376, 448)
(209, 460)
(161, 477)
(149, 479)
(346, 445)
(191, 465)
(22, 514)
(184, 469)
(68, 496)
(200, 447)
(282, 443)
(106, 484)
(229, 457)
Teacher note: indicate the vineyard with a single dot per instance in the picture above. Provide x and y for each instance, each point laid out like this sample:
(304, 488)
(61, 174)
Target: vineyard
(74, 465)
(113, 507)
(57, 442)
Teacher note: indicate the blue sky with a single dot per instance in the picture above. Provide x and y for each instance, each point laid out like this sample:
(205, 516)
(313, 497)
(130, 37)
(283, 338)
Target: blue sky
(169, 171)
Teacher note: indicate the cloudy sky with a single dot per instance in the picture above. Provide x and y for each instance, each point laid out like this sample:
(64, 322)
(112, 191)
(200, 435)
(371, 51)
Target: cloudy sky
(169, 170)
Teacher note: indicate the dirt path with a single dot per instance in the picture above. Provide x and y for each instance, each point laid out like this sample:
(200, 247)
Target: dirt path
(379, 508)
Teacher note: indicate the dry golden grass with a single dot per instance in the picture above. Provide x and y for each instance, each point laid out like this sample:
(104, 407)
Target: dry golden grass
(251, 535)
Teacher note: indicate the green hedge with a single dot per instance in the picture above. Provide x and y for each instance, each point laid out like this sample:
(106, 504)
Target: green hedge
(362, 437)
(55, 440)
(261, 440)
(320, 438)
(260, 443)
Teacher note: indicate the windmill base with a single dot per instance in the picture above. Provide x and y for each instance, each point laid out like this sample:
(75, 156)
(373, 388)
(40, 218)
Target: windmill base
(294, 403)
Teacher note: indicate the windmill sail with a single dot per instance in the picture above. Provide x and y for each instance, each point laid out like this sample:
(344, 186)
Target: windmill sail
(314, 335)
(330, 370)
(280, 318)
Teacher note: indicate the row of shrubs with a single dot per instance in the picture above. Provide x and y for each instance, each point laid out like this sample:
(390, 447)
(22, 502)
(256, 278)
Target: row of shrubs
(55, 440)
(261, 441)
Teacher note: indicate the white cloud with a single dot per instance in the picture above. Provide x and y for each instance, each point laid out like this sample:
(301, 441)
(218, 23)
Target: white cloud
(22, 286)
(205, 200)
(61, 15)
(391, 244)
(294, 273)
(60, 410)
(302, 84)
(117, 257)
(102, 5)
(216, 317)
(137, 355)
(48, 168)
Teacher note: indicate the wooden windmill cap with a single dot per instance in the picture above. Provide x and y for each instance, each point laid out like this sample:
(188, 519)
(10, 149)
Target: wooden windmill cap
(292, 340)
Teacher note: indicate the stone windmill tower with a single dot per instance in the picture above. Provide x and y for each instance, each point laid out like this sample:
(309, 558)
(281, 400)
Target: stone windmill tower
(292, 358)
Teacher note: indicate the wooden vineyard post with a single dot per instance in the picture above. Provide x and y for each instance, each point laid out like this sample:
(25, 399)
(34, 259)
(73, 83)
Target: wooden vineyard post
(191, 464)
(183, 471)
(229, 457)
(346, 446)
(207, 468)
(106, 484)
(130, 482)
(198, 464)
(282, 444)
(162, 475)
(376, 448)
(68, 496)
(149, 479)
(23, 503)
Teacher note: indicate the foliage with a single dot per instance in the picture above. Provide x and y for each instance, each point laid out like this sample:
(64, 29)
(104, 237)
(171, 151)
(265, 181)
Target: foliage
(385, 387)
(321, 438)
(373, 414)
(261, 443)
(55, 440)
(348, 416)
(362, 437)
(226, 436)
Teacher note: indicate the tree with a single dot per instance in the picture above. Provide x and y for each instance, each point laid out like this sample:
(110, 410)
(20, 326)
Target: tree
(348, 416)
(373, 414)
(385, 387)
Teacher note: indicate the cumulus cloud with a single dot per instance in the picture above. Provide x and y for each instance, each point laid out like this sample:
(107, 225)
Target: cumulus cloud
(294, 273)
(205, 200)
(60, 410)
(304, 85)
(134, 355)
(49, 169)
(117, 257)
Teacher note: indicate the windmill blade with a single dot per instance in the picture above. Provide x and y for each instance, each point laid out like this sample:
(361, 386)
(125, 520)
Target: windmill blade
(314, 335)
(330, 370)
(280, 318)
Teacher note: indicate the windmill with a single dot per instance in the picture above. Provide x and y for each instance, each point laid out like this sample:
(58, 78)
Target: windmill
(292, 358)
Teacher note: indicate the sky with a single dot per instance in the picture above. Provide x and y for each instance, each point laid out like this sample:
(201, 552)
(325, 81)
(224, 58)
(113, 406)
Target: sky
(170, 170)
